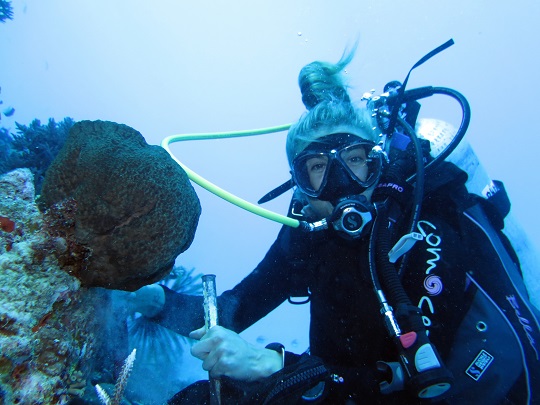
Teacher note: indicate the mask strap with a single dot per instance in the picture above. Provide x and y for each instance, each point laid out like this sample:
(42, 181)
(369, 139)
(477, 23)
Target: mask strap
(277, 192)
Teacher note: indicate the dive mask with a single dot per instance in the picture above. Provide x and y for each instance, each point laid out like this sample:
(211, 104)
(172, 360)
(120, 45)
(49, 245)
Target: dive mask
(330, 173)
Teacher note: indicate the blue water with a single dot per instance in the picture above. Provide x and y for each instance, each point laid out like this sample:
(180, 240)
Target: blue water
(179, 67)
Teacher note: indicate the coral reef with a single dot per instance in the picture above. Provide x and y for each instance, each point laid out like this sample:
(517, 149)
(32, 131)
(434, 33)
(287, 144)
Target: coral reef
(6, 11)
(136, 209)
(34, 146)
(49, 325)
(56, 335)
(5, 151)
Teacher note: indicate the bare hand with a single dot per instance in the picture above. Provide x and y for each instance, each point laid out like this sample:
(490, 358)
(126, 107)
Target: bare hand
(225, 353)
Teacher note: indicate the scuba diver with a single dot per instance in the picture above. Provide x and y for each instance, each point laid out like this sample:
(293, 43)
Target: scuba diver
(415, 294)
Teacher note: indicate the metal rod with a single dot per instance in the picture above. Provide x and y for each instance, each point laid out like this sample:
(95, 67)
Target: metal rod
(211, 320)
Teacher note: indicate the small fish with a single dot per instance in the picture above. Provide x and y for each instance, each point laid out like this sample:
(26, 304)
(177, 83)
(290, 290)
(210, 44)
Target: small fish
(8, 112)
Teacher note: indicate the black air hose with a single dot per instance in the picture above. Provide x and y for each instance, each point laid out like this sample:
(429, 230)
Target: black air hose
(407, 314)
(465, 120)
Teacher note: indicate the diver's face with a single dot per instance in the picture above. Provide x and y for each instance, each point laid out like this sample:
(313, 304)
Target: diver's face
(355, 159)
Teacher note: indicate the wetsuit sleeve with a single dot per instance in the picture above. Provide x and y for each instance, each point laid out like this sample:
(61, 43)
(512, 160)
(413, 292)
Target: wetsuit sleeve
(263, 290)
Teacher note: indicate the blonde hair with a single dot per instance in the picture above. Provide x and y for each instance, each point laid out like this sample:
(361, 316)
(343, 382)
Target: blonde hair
(324, 93)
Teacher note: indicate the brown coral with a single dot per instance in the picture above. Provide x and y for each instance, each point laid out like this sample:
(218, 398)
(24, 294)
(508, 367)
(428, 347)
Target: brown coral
(136, 209)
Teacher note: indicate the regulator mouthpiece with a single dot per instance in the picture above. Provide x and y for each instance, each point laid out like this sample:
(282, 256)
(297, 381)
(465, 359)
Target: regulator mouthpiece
(352, 217)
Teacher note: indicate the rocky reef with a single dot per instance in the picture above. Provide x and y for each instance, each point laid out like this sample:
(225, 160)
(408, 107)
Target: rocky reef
(49, 325)
(114, 214)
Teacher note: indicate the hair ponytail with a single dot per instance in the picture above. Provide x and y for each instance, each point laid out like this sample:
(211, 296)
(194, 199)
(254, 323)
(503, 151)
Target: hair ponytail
(322, 81)
(324, 93)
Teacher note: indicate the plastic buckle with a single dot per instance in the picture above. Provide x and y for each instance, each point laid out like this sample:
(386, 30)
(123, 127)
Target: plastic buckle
(403, 246)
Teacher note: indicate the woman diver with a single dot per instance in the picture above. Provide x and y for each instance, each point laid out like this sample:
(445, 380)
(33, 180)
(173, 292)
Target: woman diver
(421, 330)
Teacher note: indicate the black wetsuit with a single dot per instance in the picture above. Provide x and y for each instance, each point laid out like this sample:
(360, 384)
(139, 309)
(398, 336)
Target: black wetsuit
(346, 329)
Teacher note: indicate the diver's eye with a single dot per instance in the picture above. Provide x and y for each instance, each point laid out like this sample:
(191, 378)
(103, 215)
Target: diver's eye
(319, 167)
(356, 160)
(354, 157)
(316, 165)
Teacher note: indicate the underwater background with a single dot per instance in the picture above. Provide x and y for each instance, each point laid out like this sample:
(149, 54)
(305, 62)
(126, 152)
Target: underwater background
(170, 67)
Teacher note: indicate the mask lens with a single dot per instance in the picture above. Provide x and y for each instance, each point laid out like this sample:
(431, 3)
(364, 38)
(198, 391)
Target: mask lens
(354, 158)
(310, 172)
(310, 169)
(361, 162)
